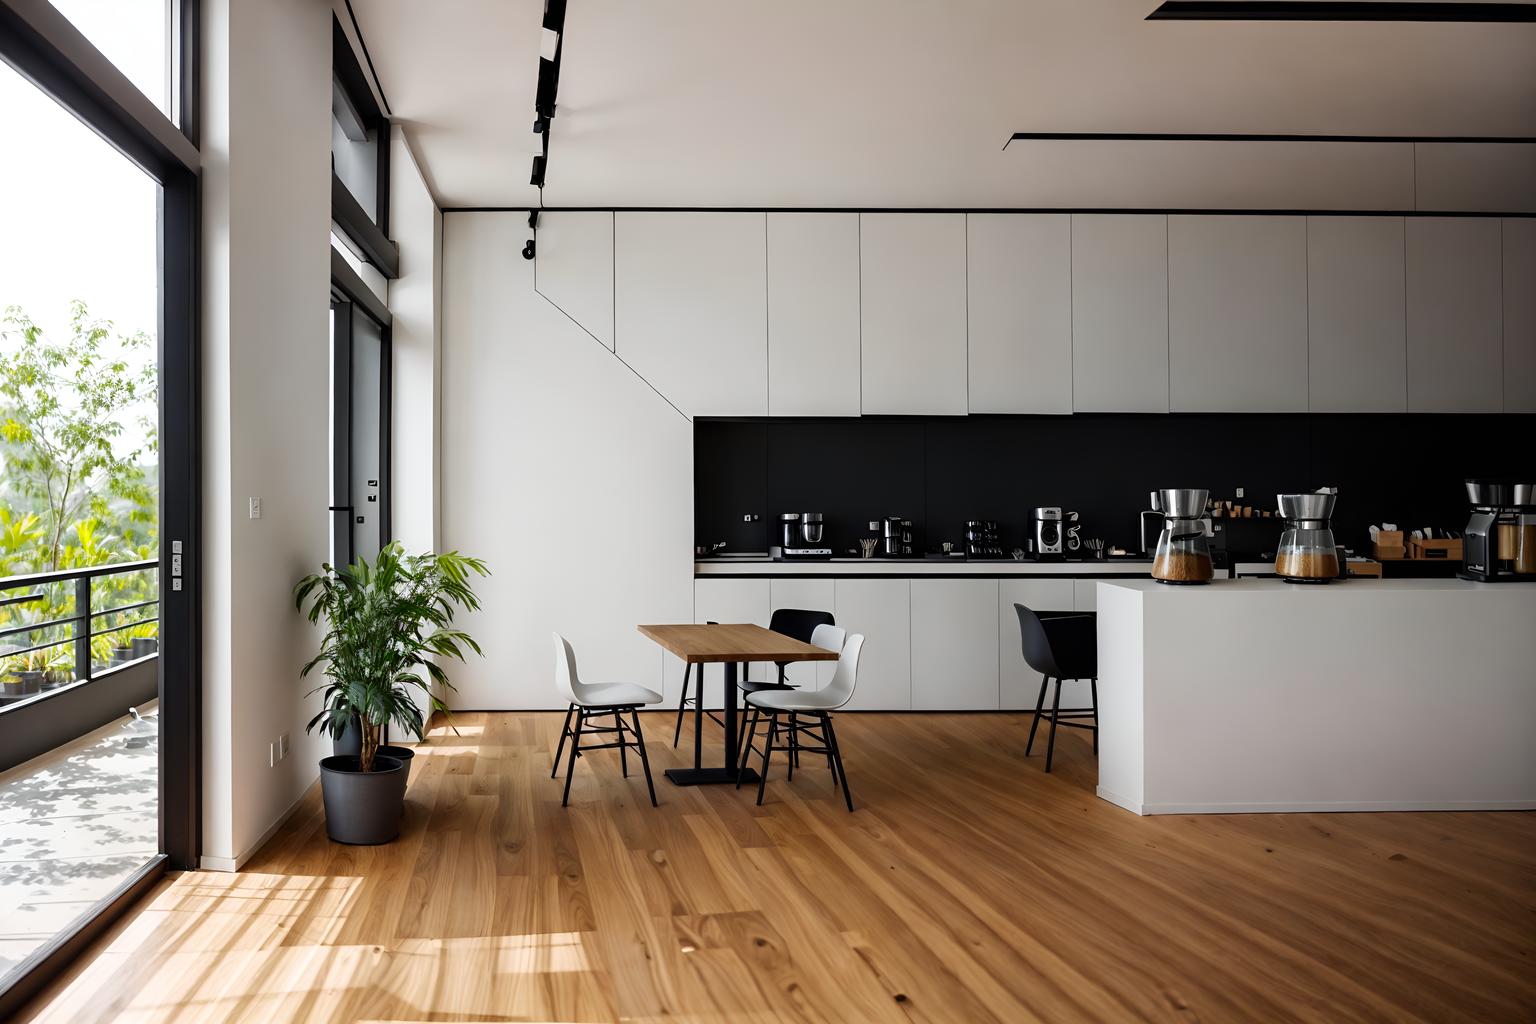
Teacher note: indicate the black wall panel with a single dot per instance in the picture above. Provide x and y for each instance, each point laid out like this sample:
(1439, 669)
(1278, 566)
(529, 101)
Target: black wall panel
(940, 471)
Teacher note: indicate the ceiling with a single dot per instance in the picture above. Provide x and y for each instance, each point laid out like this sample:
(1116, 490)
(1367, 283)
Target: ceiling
(903, 103)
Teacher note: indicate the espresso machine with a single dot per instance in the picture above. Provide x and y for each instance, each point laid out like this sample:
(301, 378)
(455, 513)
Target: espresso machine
(1500, 540)
(1048, 533)
(800, 534)
(895, 536)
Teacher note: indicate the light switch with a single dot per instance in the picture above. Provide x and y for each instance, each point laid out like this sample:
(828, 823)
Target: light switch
(255, 508)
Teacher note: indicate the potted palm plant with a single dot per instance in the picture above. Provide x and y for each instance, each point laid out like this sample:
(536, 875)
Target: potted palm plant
(388, 625)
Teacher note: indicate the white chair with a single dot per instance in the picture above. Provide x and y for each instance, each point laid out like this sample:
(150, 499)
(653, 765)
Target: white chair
(599, 700)
(821, 704)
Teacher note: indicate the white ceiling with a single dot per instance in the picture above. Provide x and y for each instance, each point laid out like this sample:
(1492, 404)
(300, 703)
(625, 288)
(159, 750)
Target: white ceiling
(870, 103)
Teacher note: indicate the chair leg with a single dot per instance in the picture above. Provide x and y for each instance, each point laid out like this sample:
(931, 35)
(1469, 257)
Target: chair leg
(1093, 689)
(570, 768)
(762, 779)
(1035, 723)
(618, 721)
(746, 745)
(794, 744)
(682, 706)
(837, 757)
(1050, 746)
(565, 730)
(645, 762)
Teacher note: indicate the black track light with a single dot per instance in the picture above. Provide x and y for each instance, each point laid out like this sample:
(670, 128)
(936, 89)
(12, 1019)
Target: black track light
(528, 250)
(537, 179)
(533, 220)
(540, 125)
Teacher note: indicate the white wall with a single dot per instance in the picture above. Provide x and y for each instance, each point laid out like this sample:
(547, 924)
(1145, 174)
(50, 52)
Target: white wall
(563, 469)
(266, 210)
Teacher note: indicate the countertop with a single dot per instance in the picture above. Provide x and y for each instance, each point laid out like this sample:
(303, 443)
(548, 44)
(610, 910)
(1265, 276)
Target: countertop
(1304, 591)
(907, 567)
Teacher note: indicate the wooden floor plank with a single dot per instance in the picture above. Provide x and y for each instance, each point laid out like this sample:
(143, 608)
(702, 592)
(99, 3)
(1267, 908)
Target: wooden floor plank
(968, 886)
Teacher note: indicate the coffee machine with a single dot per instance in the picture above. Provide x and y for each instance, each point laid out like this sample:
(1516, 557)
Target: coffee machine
(895, 536)
(1048, 533)
(801, 536)
(1500, 540)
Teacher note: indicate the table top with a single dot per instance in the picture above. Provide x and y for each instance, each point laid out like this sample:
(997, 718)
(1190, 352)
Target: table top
(697, 644)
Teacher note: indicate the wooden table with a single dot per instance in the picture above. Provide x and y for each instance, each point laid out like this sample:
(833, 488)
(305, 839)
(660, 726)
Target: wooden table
(730, 644)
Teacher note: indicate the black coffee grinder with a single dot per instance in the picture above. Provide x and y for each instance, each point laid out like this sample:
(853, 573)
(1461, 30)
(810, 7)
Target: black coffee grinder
(1491, 545)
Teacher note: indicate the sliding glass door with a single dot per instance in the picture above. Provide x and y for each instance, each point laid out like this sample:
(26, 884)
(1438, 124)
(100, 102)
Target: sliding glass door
(98, 475)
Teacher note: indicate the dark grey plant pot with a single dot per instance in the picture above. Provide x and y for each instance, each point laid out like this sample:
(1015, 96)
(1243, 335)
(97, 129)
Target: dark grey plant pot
(121, 656)
(350, 744)
(362, 809)
(31, 682)
(403, 754)
(144, 646)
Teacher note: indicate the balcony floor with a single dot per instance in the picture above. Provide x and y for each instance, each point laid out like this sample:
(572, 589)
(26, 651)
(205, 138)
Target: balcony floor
(76, 821)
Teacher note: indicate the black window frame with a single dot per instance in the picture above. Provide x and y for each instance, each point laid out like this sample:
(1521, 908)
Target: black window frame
(366, 232)
(41, 44)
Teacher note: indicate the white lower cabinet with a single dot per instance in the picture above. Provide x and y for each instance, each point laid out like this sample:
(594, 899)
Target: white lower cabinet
(954, 645)
(1085, 595)
(881, 610)
(811, 595)
(721, 601)
(1018, 684)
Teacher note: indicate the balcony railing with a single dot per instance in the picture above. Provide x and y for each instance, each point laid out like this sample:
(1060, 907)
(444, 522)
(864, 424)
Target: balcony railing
(89, 606)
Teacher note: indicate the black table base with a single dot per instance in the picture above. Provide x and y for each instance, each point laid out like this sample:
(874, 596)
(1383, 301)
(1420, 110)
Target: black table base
(727, 773)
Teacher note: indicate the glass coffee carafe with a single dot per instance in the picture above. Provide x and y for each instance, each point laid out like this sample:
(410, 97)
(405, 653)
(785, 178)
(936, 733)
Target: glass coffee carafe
(1307, 552)
(1183, 552)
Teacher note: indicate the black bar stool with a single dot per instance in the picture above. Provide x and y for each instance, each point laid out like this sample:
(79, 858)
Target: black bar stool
(1061, 646)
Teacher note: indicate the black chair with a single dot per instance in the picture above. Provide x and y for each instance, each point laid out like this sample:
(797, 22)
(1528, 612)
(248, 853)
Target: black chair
(1061, 646)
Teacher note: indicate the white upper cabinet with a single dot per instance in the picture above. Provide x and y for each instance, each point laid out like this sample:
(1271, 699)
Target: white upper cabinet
(1455, 315)
(954, 645)
(912, 311)
(1119, 313)
(813, 314)
(1019, 289)
(1355, 319)
(1519, 315)
(1237, 314)
(691, 316)
(574, 268)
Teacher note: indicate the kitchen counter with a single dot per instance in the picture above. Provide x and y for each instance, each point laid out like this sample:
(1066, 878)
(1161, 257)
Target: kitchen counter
(917, 567)
(1362, 695)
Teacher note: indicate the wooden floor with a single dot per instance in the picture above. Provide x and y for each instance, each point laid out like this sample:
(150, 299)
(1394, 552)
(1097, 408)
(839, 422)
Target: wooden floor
(969, 886)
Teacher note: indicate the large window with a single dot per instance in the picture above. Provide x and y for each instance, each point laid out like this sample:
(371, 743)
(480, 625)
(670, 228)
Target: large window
(98, 478)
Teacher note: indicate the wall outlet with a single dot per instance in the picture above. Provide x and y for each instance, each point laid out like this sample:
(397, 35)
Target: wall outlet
(1239, 492)
(255, 508)
(282, 746)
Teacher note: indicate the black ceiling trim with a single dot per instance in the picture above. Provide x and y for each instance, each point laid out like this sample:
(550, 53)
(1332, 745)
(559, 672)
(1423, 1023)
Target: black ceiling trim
(1326, 10)
(1170, 211)
(347, 71)
(1223, 137)
(367, 57)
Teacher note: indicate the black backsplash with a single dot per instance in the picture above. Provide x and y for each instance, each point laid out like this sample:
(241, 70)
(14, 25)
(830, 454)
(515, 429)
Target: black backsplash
(940, 471)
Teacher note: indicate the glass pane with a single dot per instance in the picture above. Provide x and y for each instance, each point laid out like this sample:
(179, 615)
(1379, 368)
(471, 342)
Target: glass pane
(356, 163)
(79, 470)
(367, 355)
(134, 35)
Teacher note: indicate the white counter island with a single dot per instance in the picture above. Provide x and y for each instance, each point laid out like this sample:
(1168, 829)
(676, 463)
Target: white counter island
(1365, 695)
